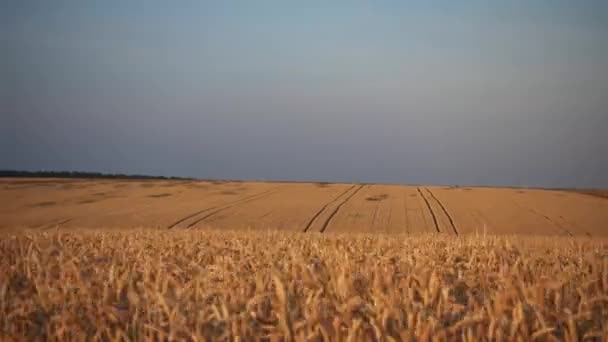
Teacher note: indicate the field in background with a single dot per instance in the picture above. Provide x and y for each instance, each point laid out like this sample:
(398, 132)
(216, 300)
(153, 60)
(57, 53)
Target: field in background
(216, 285)
(305, 207)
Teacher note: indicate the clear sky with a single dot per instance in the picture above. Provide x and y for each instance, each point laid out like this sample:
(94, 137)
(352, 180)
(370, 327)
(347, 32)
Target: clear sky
(452, 92)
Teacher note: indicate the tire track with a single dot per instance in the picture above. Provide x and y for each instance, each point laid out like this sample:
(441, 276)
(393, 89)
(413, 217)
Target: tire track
(375, 215)
(320, 211)
(576, 226)
(211, 208)
(56, 223)
(266, 214)
(389, 217)
(481, 219)
(559, 226)
(445, 211)
(189, 216)
(233, 204)
(547, 218)
(428, 205)
(422, 211)
(333, 213)
(407, 217)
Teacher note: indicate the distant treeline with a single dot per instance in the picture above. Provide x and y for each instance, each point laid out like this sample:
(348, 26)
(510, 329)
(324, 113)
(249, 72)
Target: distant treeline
(80, 174)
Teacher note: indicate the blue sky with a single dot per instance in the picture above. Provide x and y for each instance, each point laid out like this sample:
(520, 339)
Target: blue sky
(476, 92)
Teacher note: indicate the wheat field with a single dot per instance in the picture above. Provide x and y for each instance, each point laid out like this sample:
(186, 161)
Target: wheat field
(208, 285)
(43, 203)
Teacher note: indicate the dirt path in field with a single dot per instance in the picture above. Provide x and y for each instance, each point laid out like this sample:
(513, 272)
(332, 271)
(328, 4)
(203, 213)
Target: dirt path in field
(216, 209)
(335, 211)
(323, 208)
(445, 211)
(428, 205)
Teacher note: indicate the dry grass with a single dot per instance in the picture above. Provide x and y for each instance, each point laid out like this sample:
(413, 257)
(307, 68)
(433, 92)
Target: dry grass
(205, 285)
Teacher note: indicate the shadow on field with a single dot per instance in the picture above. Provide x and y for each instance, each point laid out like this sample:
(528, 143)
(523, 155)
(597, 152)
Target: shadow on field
(160, 195)
(44, 204)
(377, 198)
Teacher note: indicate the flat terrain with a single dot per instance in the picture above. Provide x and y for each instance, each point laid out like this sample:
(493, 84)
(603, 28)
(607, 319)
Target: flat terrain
(298, 207)
(247, 261)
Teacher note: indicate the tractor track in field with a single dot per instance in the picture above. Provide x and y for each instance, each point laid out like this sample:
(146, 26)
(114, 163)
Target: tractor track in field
(230, 205)
(422, 211)
(407, 217)
(246, 199)
(428, 205)
(267, 213)
(576, 226)
(375, 215)
(54, 223)
(389, 216)
(323, 208)
(445, 211)
(333, 213)
(546, 217)
(481, 219)
(559, 226)
(187, 217)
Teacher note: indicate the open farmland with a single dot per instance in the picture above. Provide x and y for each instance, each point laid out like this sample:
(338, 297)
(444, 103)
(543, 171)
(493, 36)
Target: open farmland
(199, 260)
(298, 207)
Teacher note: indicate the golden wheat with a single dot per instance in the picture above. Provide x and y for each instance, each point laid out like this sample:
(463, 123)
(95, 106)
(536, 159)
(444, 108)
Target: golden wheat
(212, 285)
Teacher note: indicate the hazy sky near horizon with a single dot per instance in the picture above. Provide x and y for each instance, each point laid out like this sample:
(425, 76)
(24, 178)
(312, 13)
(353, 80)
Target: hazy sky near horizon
(434, 92)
